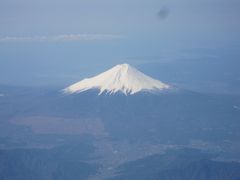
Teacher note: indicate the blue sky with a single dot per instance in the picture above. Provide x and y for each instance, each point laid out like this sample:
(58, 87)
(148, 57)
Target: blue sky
(55, 42)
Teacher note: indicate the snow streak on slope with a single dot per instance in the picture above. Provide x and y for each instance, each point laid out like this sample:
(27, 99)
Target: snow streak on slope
(121, 78)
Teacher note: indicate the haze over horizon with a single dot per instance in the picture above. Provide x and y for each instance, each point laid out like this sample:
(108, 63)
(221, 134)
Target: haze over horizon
(64, 41)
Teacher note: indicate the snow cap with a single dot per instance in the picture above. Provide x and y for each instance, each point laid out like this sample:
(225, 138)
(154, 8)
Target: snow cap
(121, 78)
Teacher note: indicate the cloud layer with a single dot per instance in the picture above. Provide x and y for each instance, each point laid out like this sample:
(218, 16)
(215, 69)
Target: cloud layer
(62, 38)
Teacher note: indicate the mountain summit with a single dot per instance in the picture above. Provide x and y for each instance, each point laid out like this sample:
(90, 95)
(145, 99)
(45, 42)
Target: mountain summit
(121, 78)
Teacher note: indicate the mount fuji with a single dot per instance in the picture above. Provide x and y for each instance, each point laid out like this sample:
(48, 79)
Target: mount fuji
(133, 113)
(121, 78)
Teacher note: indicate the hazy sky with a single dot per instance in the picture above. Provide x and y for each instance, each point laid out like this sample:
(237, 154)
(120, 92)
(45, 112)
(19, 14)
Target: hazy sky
(45, 42)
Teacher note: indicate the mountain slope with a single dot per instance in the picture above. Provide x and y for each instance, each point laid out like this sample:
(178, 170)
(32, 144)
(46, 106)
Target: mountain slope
(182, 164)
(121, 78)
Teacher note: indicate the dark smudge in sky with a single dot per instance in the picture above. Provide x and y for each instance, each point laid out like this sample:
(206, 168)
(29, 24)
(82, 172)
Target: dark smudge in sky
(163, 13)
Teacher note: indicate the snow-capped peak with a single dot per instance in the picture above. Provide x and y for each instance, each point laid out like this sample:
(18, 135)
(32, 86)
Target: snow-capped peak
(121, 78)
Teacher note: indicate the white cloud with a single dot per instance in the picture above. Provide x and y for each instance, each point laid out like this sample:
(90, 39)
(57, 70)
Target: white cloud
(62, 38)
